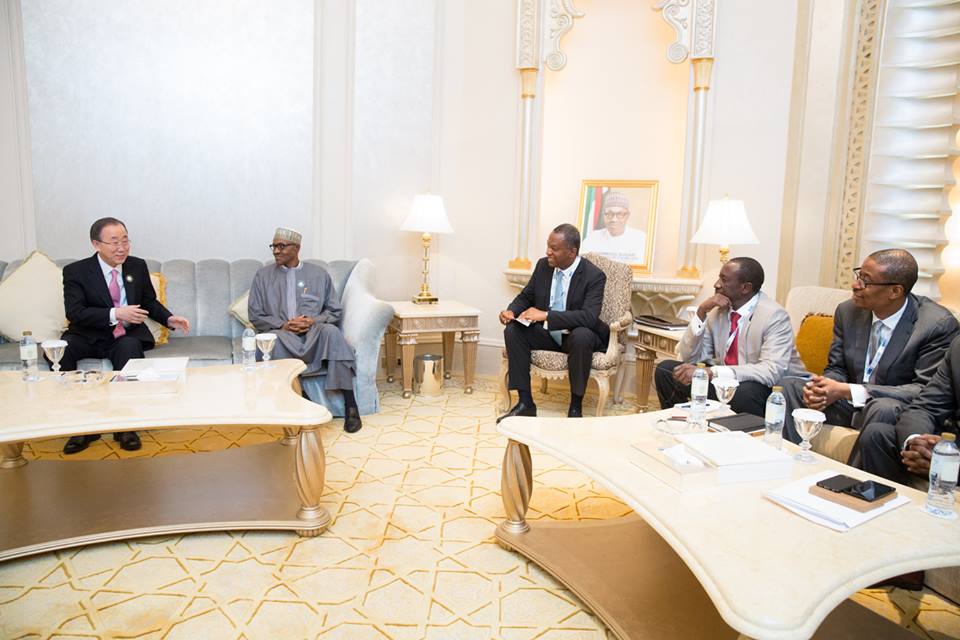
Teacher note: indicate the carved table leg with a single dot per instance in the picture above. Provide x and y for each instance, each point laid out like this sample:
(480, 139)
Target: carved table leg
(310, 471)
(448, 338)
(11, 455)
(516, 486)
(645, 360)
(390, 354)
(408, 346)
(470, 340)
(290, 436)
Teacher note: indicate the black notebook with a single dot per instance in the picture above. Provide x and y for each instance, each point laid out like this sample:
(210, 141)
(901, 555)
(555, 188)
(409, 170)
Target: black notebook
(660, 322)
(740, 422)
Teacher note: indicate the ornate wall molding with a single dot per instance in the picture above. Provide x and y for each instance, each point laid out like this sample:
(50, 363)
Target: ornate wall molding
(693, 21)
(858, 138)
(528, 34)
(559, 22)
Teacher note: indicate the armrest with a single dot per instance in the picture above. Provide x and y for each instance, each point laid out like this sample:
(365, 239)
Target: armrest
(365, 317)
(618, 325)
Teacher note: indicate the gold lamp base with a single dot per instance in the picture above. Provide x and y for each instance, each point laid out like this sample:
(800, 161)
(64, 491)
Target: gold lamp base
(425, 297)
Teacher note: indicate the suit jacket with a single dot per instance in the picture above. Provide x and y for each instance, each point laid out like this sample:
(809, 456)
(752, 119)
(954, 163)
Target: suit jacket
(766, 349)
(584, 298)
(937, 401)
(915, 349)
(87, 302)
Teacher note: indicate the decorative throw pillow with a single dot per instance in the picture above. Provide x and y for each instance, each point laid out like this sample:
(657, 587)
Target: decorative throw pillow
(161, 334)
(238, 309)
(31, 299)
(813, 341)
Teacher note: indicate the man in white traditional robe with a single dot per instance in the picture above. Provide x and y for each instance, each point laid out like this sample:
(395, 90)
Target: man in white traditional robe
(617, 240)
(297, 302)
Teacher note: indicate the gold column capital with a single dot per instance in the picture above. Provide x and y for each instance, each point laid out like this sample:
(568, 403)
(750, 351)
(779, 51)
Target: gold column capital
(702, 69)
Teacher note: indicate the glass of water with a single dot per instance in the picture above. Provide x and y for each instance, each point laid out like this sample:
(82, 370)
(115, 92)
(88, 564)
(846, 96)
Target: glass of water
(265, 342)
(54, 351)
(808, 423)
(726, 388)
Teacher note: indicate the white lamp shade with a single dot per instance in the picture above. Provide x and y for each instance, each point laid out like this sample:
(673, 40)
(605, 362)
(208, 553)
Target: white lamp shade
(725, 224)
(427, 215)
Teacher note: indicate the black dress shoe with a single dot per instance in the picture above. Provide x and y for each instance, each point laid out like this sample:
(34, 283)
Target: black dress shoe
(76, 444)
(574, 413)
(351, 421)
(520, 409)
(129, 440)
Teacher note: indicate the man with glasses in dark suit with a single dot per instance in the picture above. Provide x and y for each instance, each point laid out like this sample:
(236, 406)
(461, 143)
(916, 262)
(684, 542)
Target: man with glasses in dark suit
(887, 343)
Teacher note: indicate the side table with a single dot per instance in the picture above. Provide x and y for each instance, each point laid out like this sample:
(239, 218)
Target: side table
(652, 342)
(447, 317)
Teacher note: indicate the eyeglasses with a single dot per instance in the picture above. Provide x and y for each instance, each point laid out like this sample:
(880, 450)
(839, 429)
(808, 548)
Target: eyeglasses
(616, 214)
(116, 244)
(280, 246)
(867, 283)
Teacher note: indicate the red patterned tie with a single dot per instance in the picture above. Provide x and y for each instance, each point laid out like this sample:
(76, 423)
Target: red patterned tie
(114, 288)
(731, 358)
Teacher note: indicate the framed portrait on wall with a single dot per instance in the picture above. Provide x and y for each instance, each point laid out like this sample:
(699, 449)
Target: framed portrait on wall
(618, 220)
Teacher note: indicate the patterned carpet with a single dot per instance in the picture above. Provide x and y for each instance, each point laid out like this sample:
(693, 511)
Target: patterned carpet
(410, 554)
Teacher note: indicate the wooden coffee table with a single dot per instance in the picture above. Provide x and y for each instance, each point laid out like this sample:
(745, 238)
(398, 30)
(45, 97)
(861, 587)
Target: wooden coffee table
(715, 562)
(47, 505)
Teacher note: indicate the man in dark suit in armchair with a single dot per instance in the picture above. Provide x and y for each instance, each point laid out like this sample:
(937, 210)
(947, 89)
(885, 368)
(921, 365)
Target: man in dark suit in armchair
(107, 297)
(558, 310)
(886, 345)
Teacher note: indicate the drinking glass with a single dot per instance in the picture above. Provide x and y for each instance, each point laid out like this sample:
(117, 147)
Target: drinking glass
(807, 423)
(54, 351)
(725, 388)
(265, 342)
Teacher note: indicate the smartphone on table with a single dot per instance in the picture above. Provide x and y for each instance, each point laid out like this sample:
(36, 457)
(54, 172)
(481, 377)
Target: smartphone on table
(838, 483)
(869, 490)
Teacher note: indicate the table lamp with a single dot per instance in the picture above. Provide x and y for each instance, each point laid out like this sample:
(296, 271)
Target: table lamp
(427, 215)
(725, 223)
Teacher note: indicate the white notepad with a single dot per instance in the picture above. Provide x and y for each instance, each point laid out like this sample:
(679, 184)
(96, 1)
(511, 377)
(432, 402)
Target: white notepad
(731, 447)
(796, 497)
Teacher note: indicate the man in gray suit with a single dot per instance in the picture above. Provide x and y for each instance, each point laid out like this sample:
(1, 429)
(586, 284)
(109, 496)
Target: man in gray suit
(886, 345)
(742, 333)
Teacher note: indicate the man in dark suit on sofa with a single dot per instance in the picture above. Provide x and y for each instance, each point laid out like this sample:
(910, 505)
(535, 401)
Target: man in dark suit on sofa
(107, 297)
(894, 451)
(558, 310)
(887, 342)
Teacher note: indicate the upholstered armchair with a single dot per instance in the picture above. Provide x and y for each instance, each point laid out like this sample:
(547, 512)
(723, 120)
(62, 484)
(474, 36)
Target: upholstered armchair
(552, 365)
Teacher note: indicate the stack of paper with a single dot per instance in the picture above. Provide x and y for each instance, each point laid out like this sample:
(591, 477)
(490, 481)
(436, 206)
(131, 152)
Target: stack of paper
(738, 457)
(796, 497)
(150, 376)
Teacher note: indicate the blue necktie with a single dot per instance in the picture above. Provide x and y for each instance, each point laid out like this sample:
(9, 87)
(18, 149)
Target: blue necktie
(556, 303)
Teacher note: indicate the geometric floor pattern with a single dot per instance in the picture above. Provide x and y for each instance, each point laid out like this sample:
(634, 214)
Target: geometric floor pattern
(410, 553)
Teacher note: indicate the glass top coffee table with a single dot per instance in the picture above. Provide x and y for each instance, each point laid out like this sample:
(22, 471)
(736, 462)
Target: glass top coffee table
(55, 504)
(719, 561)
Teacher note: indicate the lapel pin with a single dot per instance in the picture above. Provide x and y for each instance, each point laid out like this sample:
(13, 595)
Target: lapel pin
(129, 278)
(300, 284)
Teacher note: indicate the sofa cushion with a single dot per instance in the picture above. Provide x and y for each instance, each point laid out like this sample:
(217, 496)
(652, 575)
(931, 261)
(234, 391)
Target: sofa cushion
(31, 299)
(813, 341)
(835, 442)
(200, 350)
(160, 333)
(239, 309)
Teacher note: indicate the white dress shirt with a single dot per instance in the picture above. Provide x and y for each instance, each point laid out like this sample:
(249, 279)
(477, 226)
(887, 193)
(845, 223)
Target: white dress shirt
(745, 311)
(858, 392)
(567, 275)
(123, 290)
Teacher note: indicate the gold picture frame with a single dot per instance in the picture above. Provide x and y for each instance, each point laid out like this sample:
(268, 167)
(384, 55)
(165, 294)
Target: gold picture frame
(618, 219)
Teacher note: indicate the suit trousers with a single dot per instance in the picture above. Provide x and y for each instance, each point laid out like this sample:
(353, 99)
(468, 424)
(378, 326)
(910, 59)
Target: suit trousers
(878, 452)
(751, 397)
(118, 350)
(579, 346)
(841, 413)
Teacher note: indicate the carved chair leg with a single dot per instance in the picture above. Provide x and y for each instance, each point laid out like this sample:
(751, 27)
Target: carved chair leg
(618, 384)
(504, 397)
(516, 486)
(603, 388)
(543, 385)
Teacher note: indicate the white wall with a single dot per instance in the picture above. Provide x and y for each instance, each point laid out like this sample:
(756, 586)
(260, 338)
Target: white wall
(192, 122)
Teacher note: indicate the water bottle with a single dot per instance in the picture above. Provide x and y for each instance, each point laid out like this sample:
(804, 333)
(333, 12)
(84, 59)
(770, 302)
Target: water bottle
(944, 467)
(249, 345)
(28, 357)
(773, 417)
(697, 419)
